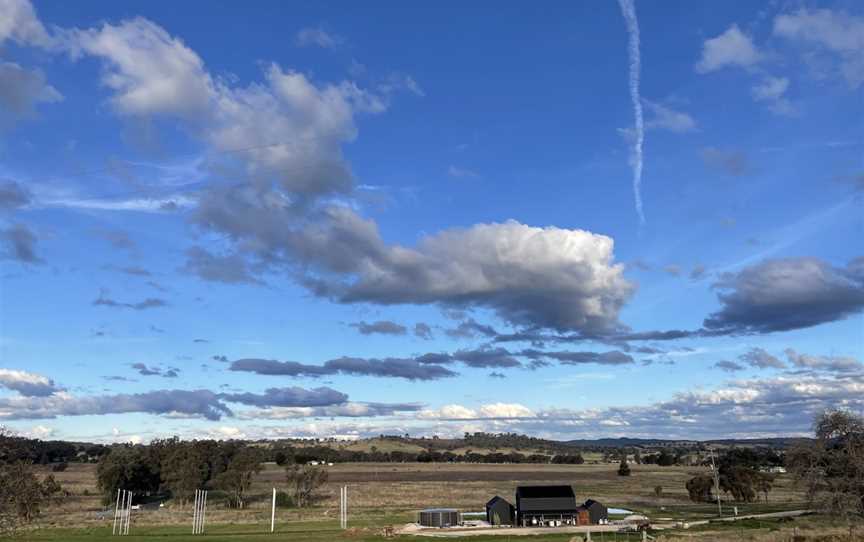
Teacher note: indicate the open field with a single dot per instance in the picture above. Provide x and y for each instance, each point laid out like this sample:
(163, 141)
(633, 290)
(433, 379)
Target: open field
(388, 494)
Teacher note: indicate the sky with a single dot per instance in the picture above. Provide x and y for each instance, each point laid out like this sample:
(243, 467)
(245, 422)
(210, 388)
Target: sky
(327, 219)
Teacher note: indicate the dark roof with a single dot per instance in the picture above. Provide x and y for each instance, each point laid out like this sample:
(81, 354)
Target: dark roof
(545, 492)
(592, 502)
(497, 498)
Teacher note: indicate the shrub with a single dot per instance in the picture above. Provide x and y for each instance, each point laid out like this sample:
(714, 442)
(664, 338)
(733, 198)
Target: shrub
(624, 468)
(284, 500)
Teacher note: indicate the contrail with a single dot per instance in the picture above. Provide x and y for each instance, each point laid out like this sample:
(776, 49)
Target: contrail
(628, 9)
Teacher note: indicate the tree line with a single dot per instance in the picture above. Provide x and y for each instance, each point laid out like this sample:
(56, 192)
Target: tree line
(283, 454)
(173, 468)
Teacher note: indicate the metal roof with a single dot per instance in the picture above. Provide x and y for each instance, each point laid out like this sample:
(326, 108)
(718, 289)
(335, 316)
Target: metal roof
(440, 510)
(545, 492)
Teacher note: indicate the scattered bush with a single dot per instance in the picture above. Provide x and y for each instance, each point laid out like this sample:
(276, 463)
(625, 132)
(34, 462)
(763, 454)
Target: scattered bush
(284, 500)
(624, 468)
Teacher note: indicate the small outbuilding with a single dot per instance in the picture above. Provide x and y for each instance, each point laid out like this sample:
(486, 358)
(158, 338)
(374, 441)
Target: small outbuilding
(439, 517)
(500, 512)
(596, 511)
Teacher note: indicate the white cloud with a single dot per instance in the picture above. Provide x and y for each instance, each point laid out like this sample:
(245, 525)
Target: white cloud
(147, 205)
(449, 412)
(318, 37)
(551, 277)
(505, 410)
(149, 71)
(487, 411)
(831, 32)
(840, 364)
(462, 173)
(666, 118)
(21, 89)
(772, 91)
(731, 48)
(39, 432)
(26, 383)
(19, 23)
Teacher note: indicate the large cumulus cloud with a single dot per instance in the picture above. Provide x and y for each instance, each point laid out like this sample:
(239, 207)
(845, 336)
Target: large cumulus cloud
(278, 143)
(785, 294)
(549, 277)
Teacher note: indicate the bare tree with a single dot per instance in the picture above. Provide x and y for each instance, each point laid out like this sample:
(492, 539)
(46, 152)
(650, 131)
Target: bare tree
(832, 467)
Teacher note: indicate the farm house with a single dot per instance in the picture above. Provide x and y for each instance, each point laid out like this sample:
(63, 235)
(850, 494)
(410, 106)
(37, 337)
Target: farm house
(546, 505)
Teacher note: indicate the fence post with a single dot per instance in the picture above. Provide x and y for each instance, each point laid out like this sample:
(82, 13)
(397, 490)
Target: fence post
(273, 512)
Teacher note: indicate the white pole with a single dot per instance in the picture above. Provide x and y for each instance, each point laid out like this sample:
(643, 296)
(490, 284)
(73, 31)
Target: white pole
(195, 513)
(128, 511)
(116, 510)
(341, 507)
(204, 512)
(273, 512)
(346, 507)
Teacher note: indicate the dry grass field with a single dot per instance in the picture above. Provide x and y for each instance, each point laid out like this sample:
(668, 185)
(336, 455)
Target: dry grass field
(388, 494)
(397, 490)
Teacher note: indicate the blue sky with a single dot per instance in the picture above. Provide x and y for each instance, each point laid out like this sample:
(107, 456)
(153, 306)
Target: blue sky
(345, 220)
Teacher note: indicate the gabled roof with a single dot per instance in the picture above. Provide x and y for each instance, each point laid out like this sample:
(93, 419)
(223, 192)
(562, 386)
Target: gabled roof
(497, 498)
(591, 502)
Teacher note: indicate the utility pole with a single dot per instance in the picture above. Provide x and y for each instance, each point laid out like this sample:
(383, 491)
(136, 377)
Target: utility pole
(716, 474)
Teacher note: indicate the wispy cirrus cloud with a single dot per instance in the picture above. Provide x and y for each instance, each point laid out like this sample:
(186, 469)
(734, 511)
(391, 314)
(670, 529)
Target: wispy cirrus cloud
(150, 303)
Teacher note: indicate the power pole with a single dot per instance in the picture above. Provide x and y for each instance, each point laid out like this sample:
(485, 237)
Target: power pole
(716, 474)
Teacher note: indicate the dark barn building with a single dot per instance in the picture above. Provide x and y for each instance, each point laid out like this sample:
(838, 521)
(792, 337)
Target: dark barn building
(545, 505)
(596, 511)
(500, 512)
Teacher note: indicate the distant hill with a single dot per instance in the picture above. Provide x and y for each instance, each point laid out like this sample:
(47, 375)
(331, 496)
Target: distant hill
(624, 442)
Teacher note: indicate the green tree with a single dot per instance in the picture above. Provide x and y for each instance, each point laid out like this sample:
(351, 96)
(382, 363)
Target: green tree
(185, 469)
(126, 467)
(699, 488)
(624, 468)
(304, 481)
(21, 491)
(237, 478)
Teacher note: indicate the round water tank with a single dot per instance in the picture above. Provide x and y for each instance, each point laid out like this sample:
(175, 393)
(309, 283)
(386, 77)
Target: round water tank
(439, 517)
